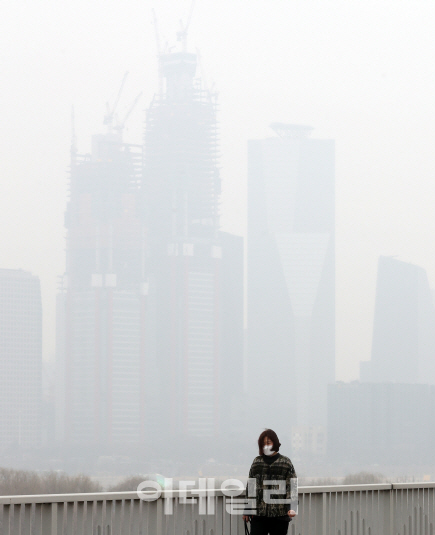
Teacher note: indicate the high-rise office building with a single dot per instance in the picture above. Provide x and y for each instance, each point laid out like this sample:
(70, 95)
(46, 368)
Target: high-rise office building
(189, 259)
(291, 276)
(403, 347)
(20, 360)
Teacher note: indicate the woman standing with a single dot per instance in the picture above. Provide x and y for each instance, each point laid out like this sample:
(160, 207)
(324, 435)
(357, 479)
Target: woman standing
(271, 518)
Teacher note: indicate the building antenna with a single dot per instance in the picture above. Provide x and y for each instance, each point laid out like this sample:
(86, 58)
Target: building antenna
(182, 34)
(110, 113)
(156, 32)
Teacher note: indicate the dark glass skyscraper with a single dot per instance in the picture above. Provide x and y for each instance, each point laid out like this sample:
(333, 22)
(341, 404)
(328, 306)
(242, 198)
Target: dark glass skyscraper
(291, 276)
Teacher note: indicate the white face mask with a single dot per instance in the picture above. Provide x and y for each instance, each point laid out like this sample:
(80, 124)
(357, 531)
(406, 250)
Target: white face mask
(267, 450)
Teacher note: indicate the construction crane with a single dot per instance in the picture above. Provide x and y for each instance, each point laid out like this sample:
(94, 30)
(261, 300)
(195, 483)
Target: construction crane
(121, 124)
(110, 112)
(182, 34)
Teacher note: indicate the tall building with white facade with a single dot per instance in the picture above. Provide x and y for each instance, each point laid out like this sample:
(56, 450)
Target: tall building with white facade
(20, 360)
(291, 276)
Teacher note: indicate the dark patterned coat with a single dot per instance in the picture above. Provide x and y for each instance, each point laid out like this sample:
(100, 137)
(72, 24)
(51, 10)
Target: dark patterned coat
(282, 470)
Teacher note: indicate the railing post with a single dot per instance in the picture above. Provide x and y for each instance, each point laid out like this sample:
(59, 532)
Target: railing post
(324, 505)
(49, 518)
(6, 518)
(388, 506)
(159, 519)
(27, 518)
(392, 510)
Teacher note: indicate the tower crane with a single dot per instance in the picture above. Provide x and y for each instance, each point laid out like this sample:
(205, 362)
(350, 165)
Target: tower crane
(182, 34)
(110, 113)
(121, 124)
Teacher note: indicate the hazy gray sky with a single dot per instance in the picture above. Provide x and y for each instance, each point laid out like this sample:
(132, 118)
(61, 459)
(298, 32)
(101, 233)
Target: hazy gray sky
(362, 73)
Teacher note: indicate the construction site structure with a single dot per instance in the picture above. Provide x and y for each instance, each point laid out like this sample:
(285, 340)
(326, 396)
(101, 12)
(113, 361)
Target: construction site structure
(102, 299)
(186, 250)
(150, 309)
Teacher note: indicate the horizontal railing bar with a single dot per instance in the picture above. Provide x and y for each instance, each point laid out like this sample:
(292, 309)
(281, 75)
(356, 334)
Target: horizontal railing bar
(422, 485)
(76, 497)
(195, 492)
(345, 488)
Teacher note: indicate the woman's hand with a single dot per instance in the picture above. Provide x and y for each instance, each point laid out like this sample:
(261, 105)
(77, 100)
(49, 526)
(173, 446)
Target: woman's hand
(291, 513)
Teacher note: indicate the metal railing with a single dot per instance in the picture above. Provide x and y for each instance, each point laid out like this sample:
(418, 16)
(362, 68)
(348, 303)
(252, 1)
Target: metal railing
(382, 509)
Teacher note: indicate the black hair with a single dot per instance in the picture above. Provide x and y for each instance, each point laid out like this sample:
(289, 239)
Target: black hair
(273, 437)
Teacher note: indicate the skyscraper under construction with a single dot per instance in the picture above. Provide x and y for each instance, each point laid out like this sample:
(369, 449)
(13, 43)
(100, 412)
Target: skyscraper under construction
(150, 315)
(188, 261)
(101, 305)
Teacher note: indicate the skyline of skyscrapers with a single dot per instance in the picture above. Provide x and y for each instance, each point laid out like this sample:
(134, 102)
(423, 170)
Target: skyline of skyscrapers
(150, 309)
(291, 274)
(151, 305)
(153, 290)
